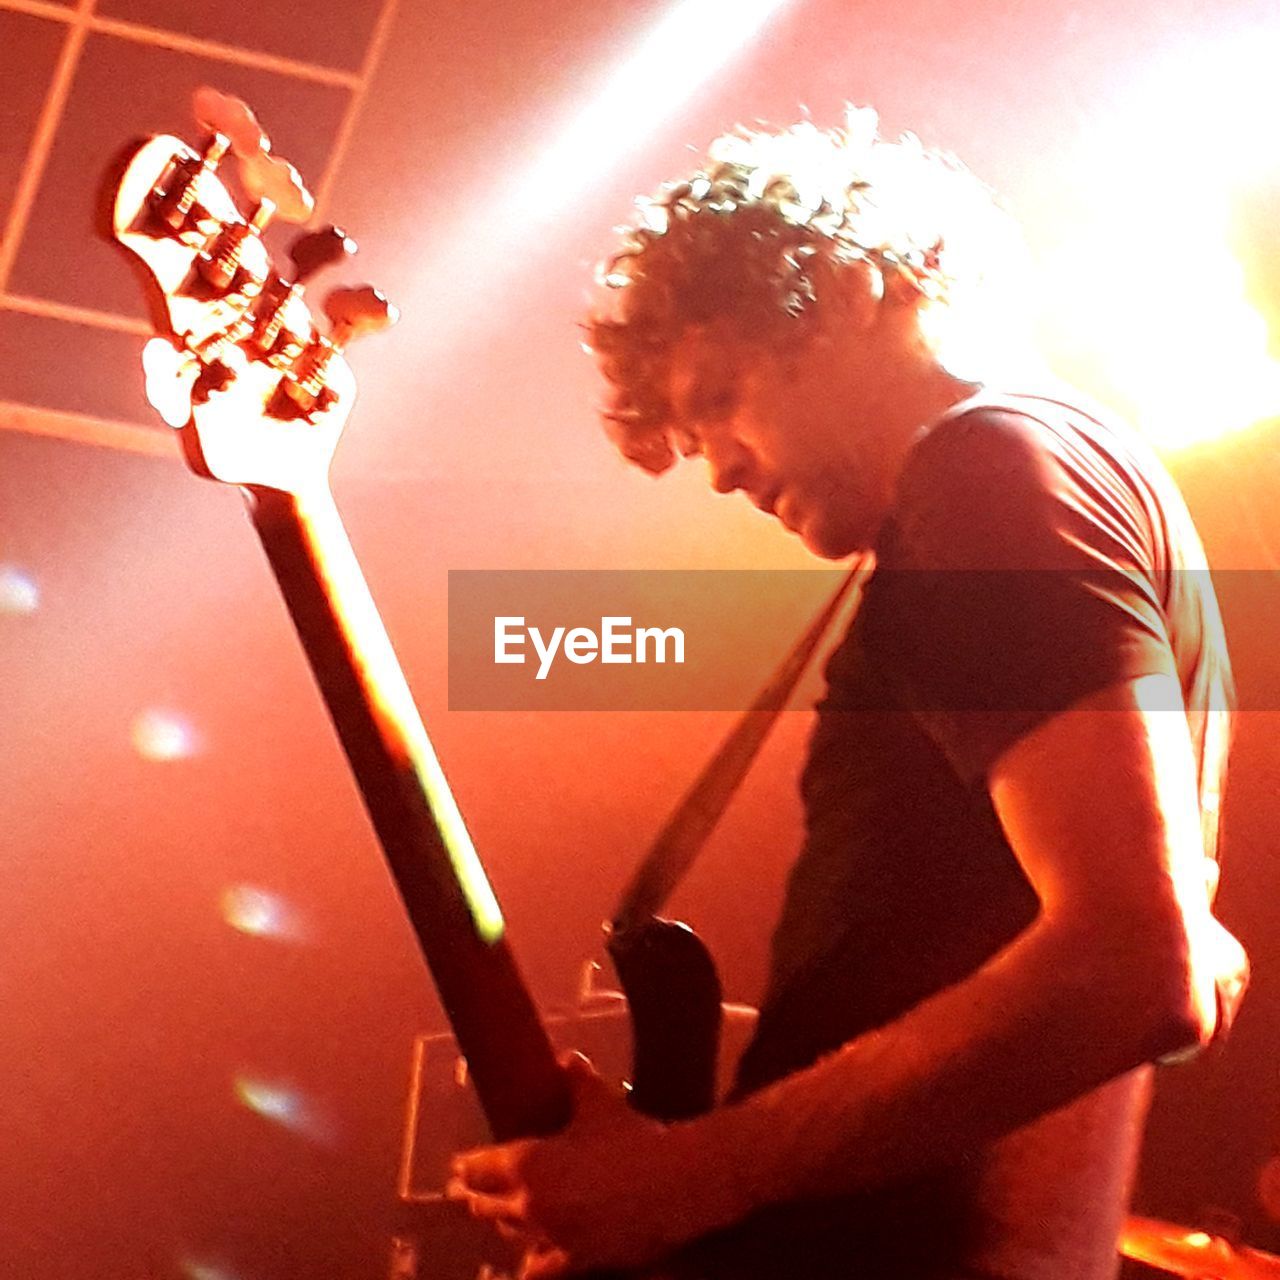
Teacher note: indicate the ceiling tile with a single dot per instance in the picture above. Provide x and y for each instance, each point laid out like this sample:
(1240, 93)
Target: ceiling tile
(61, 258)
(334, 34)
(72, 367)
(29, 49)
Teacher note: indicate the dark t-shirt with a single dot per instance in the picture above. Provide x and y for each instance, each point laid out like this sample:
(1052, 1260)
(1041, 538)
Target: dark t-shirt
(1034, 555)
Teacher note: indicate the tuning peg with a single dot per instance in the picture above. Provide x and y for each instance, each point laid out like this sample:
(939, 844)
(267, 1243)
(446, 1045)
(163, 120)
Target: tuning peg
(310, 254)
(355, 312)
(220, 113)
(175, 203)
(352, 313)
(221, 265)
(317, 250)
(231, 125)
(170, 374)
(267, 178)
(276, 187)
(271, 183)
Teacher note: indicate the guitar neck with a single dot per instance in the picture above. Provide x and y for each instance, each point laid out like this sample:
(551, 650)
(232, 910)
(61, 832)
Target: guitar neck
(427, 847)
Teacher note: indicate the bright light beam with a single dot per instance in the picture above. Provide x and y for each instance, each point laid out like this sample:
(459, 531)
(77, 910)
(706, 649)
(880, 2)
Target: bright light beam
(194, 1270)
(694, 41)
(687, 47)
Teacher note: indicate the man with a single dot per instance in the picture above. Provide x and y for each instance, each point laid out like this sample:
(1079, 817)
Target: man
(1000, 915)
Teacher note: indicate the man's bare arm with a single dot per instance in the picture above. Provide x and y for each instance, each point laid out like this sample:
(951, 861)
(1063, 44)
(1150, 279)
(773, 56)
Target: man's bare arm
(1099, 805)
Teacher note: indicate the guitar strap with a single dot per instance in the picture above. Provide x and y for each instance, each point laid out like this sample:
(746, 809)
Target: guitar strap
(690, 825)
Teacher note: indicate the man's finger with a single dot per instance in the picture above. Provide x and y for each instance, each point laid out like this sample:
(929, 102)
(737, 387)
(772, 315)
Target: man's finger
(511, 1207)
(543, 1262)
(511, 1231)
(487, 1169)
(576, 1063)
(590, 1090)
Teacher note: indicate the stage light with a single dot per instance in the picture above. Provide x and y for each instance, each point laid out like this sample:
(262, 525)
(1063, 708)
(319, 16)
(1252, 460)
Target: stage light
(261, 913)
(1173, 327)
(1149, 278)
(163, 736)
(18, 591)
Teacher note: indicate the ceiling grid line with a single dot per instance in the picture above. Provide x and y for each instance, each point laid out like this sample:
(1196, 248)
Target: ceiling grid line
(87, 316)
(346, 129)
(42, 142)
(40, 9)
(159, 37)
(87, 428)
(215, 49)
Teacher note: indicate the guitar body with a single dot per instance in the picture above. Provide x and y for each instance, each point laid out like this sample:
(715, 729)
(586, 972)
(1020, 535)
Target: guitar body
(674, 999)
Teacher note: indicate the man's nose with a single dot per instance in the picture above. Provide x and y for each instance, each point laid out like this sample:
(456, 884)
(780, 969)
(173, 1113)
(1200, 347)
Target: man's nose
(731, 468)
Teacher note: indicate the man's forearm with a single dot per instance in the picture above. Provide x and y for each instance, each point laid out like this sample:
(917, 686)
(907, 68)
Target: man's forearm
(1048, 1019)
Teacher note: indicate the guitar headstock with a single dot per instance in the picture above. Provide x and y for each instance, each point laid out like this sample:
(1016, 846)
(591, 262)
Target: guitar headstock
(239, 365)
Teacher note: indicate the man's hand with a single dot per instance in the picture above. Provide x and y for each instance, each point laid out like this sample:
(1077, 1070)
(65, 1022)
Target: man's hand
(614, 1189)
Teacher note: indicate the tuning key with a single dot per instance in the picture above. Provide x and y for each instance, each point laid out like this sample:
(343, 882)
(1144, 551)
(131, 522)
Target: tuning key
(221, 265)
(276, 187)
(271, 183)
(310, 254)
(232, 126)
(356, 312)
(277, 190)
(313, 252)
(353, 313)
(170, 371)
(175, 204)
(231, 118)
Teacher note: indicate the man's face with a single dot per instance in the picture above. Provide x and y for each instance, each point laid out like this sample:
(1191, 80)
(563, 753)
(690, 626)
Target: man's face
(786, 431)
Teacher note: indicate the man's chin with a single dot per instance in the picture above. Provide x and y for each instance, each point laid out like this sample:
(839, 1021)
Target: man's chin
(832, 544)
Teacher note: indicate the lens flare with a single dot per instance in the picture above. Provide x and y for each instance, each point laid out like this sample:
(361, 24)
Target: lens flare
(262, 914)
(194, 1270)
(285, 1105)
(163, 735)
(18, 591)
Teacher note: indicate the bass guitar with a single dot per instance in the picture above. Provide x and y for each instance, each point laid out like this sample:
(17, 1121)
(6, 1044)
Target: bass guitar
(258, 392)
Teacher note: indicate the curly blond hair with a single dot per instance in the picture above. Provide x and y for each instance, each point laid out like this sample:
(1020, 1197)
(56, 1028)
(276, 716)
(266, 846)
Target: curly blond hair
(750, 242)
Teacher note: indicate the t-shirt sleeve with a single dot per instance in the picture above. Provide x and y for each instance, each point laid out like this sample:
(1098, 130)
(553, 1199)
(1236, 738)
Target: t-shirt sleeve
(1017, 578)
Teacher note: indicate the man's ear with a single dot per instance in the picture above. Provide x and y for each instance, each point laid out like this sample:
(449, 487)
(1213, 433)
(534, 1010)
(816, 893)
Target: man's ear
(900, 289)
